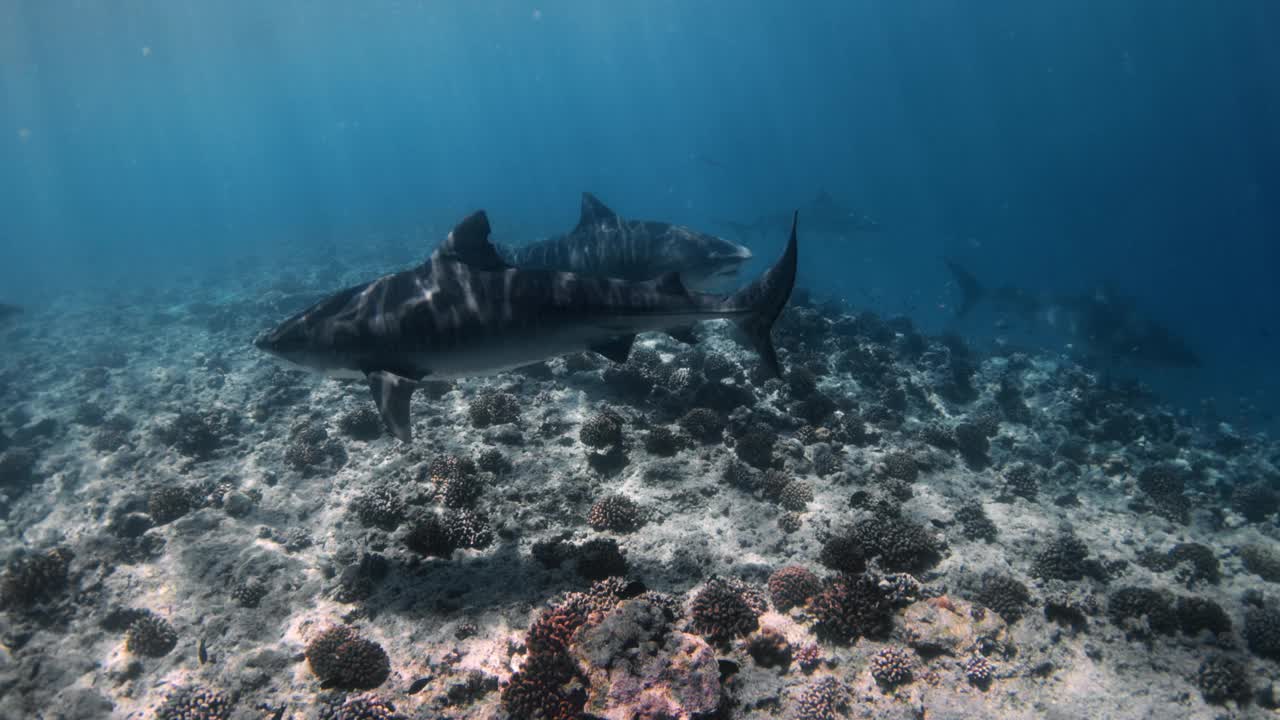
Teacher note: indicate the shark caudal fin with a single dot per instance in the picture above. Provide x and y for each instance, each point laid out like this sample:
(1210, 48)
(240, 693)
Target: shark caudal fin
(764, 300)
(971, 291)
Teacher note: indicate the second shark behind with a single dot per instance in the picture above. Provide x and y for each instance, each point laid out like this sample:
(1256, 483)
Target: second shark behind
(603, 243)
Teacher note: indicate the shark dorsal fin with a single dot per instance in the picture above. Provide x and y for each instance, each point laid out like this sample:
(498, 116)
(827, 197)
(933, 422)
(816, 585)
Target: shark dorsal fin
(468, 243)
(594, 212)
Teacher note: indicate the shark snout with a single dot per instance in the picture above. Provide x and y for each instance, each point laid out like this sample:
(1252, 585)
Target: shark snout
(262, 341)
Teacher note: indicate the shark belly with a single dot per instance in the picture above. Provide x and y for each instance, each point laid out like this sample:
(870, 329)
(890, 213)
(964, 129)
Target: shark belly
(516, 344)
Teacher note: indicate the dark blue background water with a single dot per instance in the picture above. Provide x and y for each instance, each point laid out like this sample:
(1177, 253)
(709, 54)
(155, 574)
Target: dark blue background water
(1058, 145)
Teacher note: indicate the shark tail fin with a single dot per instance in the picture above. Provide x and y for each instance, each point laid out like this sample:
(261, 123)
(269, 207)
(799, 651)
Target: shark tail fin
(971, 291)
(764, 300)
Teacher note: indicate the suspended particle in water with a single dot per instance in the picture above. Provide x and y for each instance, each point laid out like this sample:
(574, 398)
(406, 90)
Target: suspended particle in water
(537, 14)
(24, 134)
(146, 51)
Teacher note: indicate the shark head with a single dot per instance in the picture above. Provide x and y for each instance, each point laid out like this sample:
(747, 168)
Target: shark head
(703, 261)
(312, 339)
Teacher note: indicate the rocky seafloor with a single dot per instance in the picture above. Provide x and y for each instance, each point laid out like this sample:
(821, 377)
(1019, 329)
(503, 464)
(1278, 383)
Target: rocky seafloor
(901, 527)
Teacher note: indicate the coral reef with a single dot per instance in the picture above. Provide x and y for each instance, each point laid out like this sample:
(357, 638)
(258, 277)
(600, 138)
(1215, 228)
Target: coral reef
(850, 607)
(1261, 561)
(362, 423)
(1142, 610)
(1192, 562)
(195, 703)
(979, 670)
(891, 667)
(796, 495)
(702, 424)
(455, 481)
(901, 465)
(1262, 632)
(34, 578)
(661, 441)
(1020, 480)
(600, 558)
(1196, 614)
(755, 448)
(168, 503)
(975, 523)
(617, 513)
(770, 648)
(792, 586)
(808, 658)
(1003, 594)
(899, 544)
(379, 507)
(494, 408)
(341, 657)
(359, 707)
(584, 539)
(1222, 678)
(1062, 558)
(545, 688)
(825, 699)
(723, 610)
(1255, 501)
(602, 430)
(1164, 486)
(150, 635)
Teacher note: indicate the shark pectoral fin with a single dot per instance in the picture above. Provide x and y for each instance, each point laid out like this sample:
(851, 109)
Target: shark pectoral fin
(616, 349)
(391, 393)
(684, 335)
(670, 282)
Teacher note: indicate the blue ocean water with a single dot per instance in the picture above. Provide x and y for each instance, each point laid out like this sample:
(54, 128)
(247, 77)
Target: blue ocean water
(1057, 146)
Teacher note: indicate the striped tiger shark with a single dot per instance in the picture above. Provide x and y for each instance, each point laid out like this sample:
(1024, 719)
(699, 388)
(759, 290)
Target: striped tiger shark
(466, 312)
(603, 243)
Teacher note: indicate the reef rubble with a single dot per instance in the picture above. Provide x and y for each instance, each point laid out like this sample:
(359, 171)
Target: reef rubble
(901, 526)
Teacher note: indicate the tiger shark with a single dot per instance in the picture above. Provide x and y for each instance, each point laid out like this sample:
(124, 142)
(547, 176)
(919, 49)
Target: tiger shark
(1110, 324)
(603, 243)
(466, 312)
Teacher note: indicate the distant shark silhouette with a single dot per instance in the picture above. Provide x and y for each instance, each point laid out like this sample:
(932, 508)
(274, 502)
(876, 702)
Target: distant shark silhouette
(466, 312)
(823, 216)
(605, 244)
(1112, 326)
